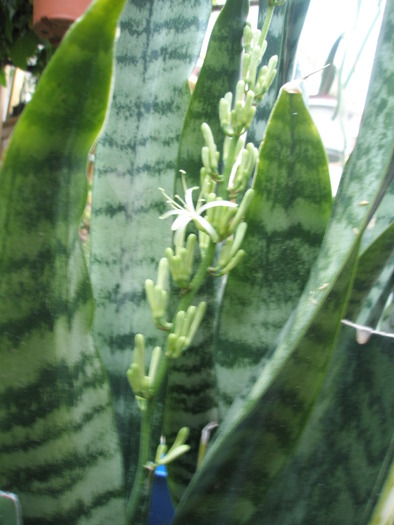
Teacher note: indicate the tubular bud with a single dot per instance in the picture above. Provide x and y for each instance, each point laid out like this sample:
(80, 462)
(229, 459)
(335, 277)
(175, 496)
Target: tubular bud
(224, 113)
(244, 170)
(171, 343)
(181, 437)
(180, 346)
(234, 261)
(162, 273)
(133, 376)
(239, 91)
(238, 239)
(250, 109)
(154, 364)
(247, 37)
(186, 325)
(217, 272)
(245, 203)
(205, 158)
(141, 384)
(229, 257)
(188, 320)
(181, 263)
(157, 295)
(139, 355)
(245, 64)
(174, 454)
(179, 320)
(266, 77)
(196, 321)
(208, 137)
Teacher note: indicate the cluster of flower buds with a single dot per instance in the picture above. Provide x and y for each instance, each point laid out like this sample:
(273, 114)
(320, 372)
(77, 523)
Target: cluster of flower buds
(236, 118)
(226, 220)
(231, 254)
(165, 456)
(244, 170)
(265, 77)
(185, 327)
(257, 80)
(254, 52)
(181, 262)
(142, 384)
(217, 220)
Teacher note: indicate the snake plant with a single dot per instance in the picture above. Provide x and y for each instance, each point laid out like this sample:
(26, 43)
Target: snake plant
(248, 344)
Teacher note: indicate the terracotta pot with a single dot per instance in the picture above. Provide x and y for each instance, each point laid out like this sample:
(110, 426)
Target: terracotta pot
(52, 18)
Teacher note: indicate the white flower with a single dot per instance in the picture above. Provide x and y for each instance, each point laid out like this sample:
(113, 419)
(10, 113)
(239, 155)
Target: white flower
(186, 212)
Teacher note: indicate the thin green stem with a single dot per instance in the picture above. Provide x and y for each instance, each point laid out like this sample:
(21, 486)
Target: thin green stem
(267, 21)
(138, 504)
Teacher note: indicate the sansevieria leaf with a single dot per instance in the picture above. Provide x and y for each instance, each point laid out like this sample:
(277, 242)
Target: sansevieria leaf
(59, 448)
(286, 223)
(348, 440)
(156, 52)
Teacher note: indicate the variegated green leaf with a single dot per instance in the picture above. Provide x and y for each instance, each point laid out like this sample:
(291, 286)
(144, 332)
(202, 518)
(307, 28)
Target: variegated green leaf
(156, 52)
(59, 448)
(263, 426)
(348, 442)
(286, 223)
(337, 471)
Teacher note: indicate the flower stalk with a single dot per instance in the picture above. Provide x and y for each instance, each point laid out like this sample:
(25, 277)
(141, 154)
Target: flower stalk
(217, 215)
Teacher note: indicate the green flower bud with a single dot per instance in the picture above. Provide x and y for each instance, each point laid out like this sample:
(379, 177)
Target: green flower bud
(245, 203)
(247, 36)
(157, 295)
(154, 364)
(245, 65)
(133, 376)
(177, 449)
(139, 355)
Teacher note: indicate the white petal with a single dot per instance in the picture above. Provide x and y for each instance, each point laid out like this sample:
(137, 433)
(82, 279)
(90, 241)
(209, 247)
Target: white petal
(189, 197)
(213, 204)
(208, 228)
(170, 212)
(181, 222)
